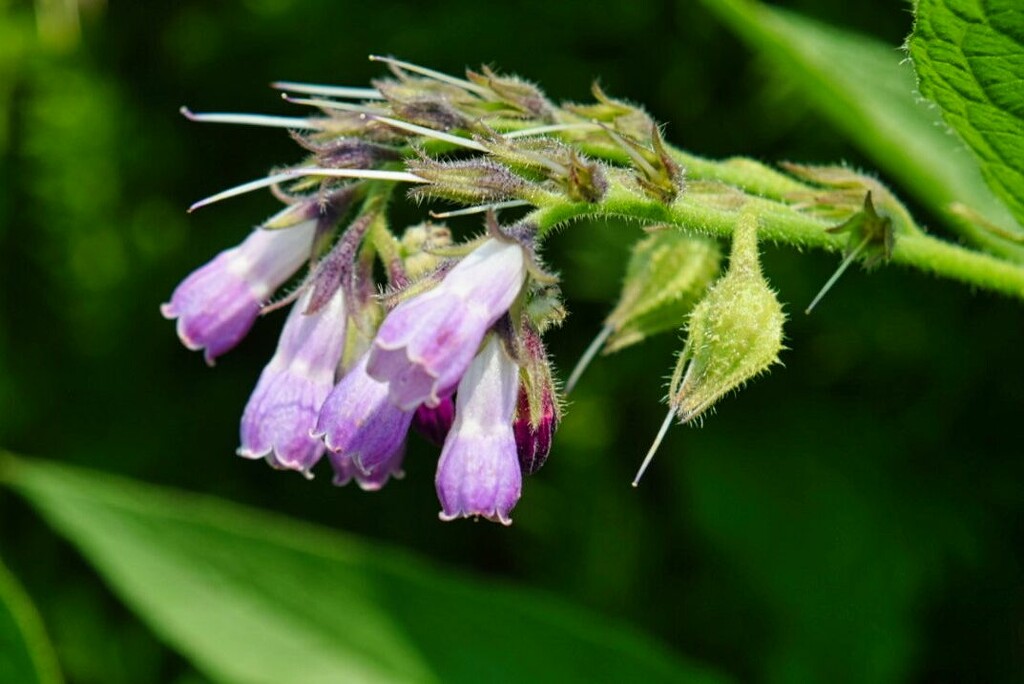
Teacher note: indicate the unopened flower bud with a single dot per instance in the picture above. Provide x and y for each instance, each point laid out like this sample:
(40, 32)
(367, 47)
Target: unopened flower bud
(538, 410)
(524, 99)
(420, 244)
(423, 109)
(582, 179)
(348, 153)
(326, 208)
(467, 181)
(435, 423)
(624, 117)
(667, 275)
(733, 334)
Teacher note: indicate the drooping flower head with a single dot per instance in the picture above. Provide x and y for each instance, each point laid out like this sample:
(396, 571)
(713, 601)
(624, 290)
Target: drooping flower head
(218, 303)
(516, 150)
(427, 342)
(479, 474)
(284, 406)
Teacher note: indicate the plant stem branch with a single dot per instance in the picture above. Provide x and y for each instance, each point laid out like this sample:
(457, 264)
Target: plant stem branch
(783, 224)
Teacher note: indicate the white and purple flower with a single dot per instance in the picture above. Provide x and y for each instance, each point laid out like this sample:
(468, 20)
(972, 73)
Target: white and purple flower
(217, 304)
(427, 342)
(479, 472)
(283, 408)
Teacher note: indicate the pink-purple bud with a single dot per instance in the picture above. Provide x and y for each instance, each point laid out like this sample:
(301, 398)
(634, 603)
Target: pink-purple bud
(534, 432)
(284, 406)
(426, 343)
(218, 303)
(435, 423)
(478, 473)
(538, 410)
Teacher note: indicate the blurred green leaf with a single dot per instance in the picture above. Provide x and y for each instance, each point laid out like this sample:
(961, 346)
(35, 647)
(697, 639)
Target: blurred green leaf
(868, 92)
(970, 60)
(841, 550)
(253, 598)
(26, 656)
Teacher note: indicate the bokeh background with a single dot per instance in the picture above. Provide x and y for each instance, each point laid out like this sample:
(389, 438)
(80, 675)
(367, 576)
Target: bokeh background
(854, 516)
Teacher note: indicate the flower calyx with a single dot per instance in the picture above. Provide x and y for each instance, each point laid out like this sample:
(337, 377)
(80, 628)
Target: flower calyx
(654, 171)
(841, 191)
(520, 99)
(623, 117)
(870, 233)
(538, 406)
(668, 273)
(733, 334)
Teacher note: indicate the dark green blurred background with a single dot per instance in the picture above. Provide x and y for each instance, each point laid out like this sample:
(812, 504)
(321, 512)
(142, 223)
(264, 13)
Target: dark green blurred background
(854, 516)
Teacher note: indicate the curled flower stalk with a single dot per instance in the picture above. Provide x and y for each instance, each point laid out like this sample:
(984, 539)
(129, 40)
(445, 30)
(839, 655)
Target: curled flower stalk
(448, 340)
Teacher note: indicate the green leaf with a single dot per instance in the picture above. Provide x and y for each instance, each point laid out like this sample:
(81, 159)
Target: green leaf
(868, 91)
(253, 598)
(970, 61)
(26, 656)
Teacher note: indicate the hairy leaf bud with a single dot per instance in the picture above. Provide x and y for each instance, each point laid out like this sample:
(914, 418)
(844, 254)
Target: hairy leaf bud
(869, 232)
(657, 174)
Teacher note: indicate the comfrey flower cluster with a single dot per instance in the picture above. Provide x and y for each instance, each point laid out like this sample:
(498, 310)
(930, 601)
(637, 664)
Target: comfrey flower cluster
(450, 344)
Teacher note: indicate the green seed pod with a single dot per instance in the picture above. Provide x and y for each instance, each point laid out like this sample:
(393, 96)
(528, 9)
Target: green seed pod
(733, 334)
(667, 275)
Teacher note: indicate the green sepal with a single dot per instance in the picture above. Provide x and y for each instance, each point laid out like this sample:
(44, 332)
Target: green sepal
(870, 234)
(668, 273)
(624, 117)
(841, 191)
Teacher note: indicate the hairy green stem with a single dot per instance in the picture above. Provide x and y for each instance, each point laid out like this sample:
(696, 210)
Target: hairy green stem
(784, 224)
(755, 178)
